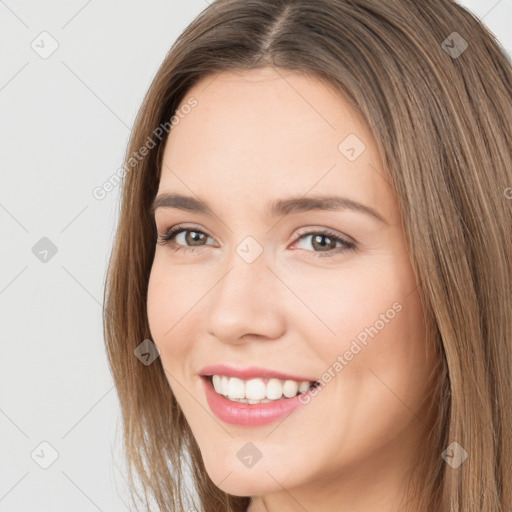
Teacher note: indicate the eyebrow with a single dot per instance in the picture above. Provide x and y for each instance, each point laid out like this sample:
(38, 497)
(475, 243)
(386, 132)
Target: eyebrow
(277, 208)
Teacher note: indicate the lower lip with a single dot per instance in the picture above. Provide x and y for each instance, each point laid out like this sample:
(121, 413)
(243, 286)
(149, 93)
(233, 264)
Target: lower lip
(249, 415)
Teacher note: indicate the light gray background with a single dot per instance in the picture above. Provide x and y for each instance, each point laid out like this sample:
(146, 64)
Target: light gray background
(65, 122)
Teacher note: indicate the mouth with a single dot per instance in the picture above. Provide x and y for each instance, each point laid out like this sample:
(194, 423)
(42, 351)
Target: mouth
(236, 408)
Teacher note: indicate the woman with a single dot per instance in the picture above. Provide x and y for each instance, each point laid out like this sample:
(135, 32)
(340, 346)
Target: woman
(308, 298)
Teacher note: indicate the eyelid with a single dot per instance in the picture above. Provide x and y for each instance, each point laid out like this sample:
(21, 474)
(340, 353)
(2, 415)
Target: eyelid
(347, 242)
(326, 231)
(177, 229)
(300, 233)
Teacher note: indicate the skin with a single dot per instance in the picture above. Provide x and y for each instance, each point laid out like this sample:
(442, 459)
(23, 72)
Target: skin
(256, 136)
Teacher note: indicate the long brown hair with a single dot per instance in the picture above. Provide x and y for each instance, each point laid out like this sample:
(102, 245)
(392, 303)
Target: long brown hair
(435, 88)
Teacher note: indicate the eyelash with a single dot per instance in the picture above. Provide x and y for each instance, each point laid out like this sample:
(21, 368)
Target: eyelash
(171, 233)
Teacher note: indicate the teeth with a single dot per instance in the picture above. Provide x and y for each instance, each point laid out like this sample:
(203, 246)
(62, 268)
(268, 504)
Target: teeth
(224, 385)
(236, 388)
(291, 387)
(274, 389)
(255, 391)
(304, 386)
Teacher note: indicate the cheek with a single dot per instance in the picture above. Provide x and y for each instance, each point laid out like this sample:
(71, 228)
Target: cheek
(344, 304)
(170, 298)
(372, 319)
(158, 302)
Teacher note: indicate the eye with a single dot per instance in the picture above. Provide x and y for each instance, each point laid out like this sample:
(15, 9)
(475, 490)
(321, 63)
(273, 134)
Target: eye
(192, 236)
(326, 241)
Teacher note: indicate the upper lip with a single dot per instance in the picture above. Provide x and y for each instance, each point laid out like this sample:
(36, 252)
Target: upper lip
(252, 372)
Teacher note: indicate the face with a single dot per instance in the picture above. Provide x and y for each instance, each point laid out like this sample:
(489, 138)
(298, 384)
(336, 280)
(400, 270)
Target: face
(314, 290)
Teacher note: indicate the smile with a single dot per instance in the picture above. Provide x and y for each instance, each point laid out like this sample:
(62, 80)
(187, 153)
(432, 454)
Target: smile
(258, 390)
(235, 407)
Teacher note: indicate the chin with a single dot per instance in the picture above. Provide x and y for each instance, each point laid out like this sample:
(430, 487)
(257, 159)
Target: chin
(238, 480)
(245, 485)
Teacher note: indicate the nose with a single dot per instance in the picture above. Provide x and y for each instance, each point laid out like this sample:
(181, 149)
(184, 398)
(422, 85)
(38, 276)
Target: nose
(246, 304)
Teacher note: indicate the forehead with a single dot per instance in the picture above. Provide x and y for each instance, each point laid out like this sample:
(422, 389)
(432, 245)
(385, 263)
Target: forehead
(256, 133)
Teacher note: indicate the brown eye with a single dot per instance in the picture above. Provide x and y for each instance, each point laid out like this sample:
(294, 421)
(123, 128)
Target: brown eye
(192, 237)
(325, 243)
(318, 242)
